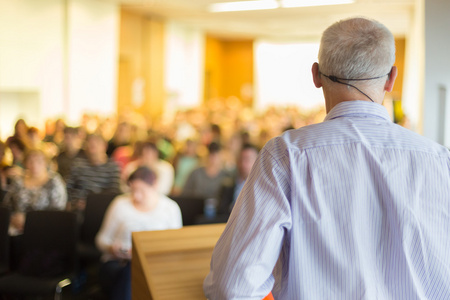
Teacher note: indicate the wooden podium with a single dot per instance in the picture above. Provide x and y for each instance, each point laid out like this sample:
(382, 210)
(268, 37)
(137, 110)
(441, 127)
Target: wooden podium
(172, 264)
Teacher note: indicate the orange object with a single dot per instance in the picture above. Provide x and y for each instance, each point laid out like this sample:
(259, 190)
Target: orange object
(269, 297)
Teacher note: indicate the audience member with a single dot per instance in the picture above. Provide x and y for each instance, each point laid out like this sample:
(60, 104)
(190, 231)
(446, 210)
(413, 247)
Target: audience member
(54, 132)
(355, 207)
(34, 140)
(204, 181)
(21, 131)
(121, 138)
(3, 167)
(71, 150)
(232, 185)
(18, 148)
(95, 174)
(145, 208)
(37, 189)
(147, 155)
(184, 163)
(233, 148)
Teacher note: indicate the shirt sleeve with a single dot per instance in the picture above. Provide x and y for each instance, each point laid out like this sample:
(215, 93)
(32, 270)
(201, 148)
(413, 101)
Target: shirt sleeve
(245, 255)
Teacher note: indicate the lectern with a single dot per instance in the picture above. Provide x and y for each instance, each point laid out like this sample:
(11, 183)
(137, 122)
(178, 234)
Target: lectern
(172, 264)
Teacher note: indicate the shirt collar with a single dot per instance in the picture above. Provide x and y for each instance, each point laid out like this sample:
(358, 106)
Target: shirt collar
(358, 109)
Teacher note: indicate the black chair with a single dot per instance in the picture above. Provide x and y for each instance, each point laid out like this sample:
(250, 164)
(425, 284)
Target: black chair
(4, 239)
(96, 205)
(191, 208)
(48, 258)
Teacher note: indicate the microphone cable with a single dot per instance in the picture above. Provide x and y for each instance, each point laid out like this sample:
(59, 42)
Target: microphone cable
(338, 80)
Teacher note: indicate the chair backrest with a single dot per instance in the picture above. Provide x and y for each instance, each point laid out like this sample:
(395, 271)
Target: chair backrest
(49, 243)
(172, 264)
(191, 208)
(96, 205)
(4, 239)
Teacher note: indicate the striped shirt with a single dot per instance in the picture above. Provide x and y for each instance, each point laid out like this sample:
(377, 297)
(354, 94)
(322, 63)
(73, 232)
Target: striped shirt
(355, 207)
(86, 178)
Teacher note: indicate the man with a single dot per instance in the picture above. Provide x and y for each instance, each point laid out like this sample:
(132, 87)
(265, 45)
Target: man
(355, 207)
(96, 174)
(71, 151)
(204, 182)
(232, 186)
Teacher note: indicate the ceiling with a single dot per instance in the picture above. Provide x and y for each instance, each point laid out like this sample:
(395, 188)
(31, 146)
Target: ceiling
(282, 23)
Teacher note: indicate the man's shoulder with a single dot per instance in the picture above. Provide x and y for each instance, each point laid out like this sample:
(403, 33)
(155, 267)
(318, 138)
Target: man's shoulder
(300, 138)
(339, 132)
(415, 141)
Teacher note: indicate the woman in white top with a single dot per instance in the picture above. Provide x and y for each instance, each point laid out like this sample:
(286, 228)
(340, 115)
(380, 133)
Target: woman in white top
(144, 208)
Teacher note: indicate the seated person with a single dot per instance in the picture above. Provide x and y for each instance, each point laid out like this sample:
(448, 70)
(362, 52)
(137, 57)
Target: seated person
(143, 209)
(71, 149)
(232, 186)
(121, 138)
(147, 155)
(205, 181)
(3, 167)
(18, 149)
(184, 163)
(37, 189)
(94, 174)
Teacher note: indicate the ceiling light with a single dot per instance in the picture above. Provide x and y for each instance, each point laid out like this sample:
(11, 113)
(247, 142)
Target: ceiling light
(304, 3)
(271, 4)
(243, 5)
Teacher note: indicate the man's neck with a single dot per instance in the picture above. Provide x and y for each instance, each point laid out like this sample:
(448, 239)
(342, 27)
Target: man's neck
(333, 98)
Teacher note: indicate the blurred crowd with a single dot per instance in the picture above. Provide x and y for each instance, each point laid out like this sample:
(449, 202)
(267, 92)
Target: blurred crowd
(99, 153)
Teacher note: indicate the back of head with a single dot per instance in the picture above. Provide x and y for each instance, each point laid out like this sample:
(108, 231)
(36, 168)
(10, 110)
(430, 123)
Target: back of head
(144, 174)
(13, 141)
(71, 130)
(214, 148)
(356, 48)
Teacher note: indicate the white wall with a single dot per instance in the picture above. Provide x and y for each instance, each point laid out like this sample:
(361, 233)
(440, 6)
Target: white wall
(437, 69)
(184, 65)
(283, 75)
(93, 29)
(31, 56)
(33, 47)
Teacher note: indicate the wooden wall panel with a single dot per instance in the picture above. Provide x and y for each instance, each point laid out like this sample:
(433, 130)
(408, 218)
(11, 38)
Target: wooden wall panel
(153, 63)
(238, 70)
(130, 57)
(214, 63)
(141, 57)
(228, 67)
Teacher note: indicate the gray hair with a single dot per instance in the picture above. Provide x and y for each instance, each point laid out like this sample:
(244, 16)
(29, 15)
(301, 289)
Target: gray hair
(356, 48)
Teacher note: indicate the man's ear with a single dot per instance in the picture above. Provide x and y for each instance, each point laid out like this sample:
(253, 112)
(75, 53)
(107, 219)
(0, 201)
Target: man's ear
(390, 81)
(316, 75)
